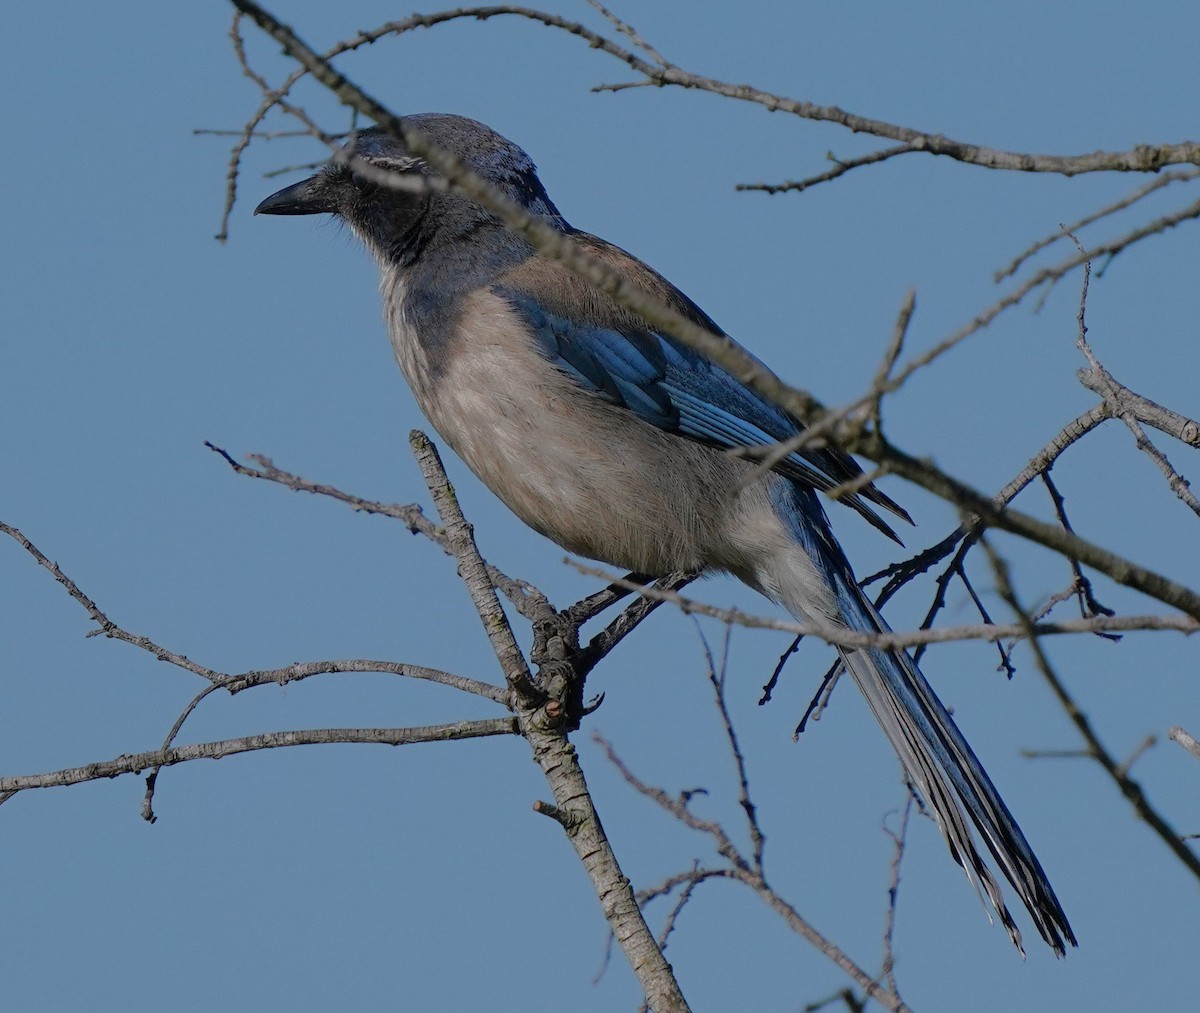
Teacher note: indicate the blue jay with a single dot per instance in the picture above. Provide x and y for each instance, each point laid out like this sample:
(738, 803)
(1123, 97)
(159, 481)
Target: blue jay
(613, 440)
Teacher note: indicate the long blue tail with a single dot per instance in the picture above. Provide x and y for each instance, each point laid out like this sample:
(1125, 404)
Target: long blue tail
(938, 762)
(941, 765)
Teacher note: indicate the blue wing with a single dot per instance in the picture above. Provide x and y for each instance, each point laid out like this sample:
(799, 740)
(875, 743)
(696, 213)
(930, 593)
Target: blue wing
(679, 391)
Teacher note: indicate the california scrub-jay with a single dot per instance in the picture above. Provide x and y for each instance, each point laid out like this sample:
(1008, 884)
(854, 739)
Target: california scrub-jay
(612, 440)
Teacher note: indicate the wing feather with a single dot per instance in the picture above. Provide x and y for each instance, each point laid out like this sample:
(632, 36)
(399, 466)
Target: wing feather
(615, 355)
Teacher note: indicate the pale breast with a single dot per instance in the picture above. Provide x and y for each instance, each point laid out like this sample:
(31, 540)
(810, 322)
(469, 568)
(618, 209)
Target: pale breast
(591, 476)
(406, 343)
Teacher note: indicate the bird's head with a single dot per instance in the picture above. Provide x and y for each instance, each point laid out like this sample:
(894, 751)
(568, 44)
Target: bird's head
(388, 195)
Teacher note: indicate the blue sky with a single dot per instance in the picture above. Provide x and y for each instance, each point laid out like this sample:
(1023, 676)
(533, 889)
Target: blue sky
(343, 877)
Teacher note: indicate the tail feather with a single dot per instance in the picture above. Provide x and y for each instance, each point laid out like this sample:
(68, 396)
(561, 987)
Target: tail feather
(813, 580)
(945, 772)
(938, 762)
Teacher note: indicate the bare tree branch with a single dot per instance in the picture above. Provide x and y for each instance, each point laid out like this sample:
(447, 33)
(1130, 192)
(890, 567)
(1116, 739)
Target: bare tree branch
(1188, 742)
(236, 682)
(539, 718)
(137, 762)
(1099, 380)
(521, 593)
(743, 870)
(852, 638)
(1142, 158)
(541, 712)
(1131, 789)
(1117, 397)
(633, 615)
(107, 627)
(305, 669)
(1063, 231)
(1120, 401)
(473, 571)
(574, 811)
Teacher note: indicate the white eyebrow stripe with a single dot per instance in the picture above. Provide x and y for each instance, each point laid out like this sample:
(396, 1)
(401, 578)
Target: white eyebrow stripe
(401, 164)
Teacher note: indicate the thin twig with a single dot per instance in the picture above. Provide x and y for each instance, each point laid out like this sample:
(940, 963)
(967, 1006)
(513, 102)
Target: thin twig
(107, 627)
(716, 678)
(259, 135)
(840, 168)
(668, 886)
(152, 777)
(631, 33)
(899, 839)
(664, 937)
(743, 871)
(1140, 750)
(632, 616)
(1164, 179)
(1082, 587)
(1131, 789)
(522, 594)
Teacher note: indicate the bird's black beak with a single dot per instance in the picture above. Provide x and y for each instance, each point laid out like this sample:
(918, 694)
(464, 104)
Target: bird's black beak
(308, 197)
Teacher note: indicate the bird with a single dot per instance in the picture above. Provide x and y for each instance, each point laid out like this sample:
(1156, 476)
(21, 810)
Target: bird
(621, 444)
